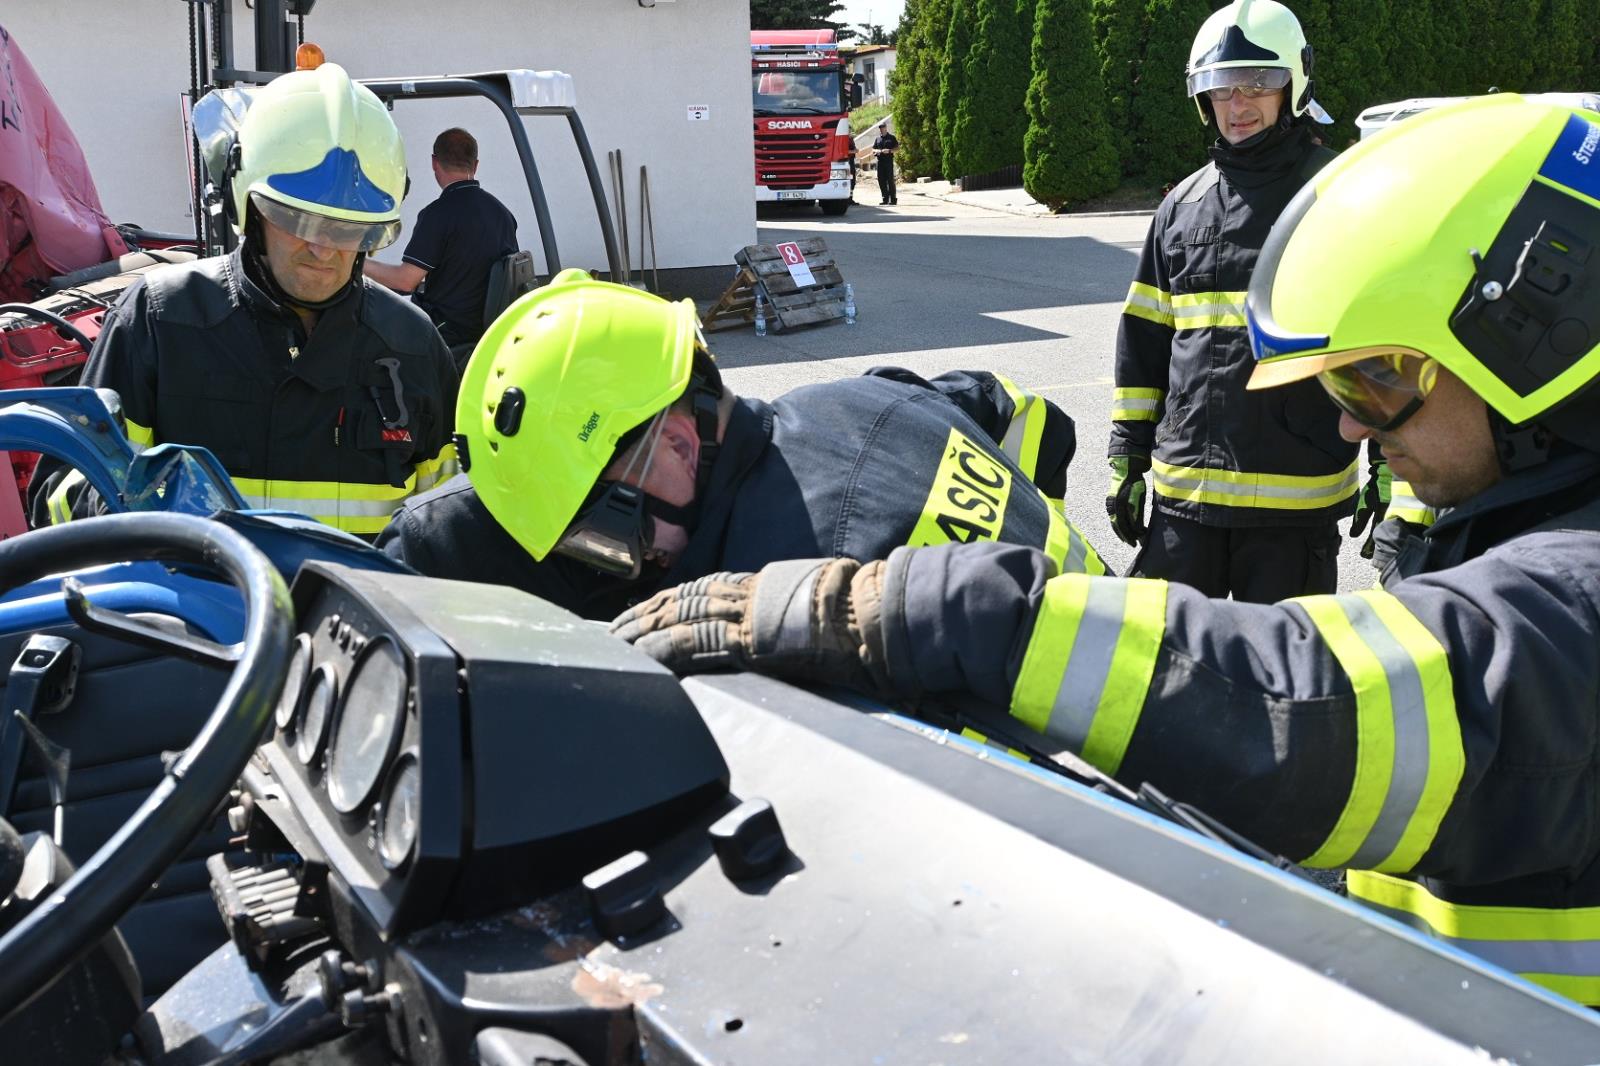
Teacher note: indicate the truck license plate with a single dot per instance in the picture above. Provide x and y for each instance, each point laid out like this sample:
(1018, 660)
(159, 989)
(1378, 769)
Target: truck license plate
(794, 194)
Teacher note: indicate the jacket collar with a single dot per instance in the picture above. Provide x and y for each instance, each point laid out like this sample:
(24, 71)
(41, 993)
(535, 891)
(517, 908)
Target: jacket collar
(1504, 510)
(323, 366)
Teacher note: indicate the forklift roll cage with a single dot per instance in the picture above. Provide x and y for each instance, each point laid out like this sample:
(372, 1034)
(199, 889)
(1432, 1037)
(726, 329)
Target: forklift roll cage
(211, 46)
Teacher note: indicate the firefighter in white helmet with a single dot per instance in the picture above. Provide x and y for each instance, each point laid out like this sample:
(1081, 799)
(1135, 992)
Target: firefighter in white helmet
(1246, 486)
(319, 392)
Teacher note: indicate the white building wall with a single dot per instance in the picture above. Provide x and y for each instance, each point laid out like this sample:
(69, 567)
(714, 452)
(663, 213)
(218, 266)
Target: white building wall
(116, 68)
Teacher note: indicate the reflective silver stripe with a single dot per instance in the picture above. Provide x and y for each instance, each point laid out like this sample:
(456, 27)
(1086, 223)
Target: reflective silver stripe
(1137, 405)
(1574, 958)
(1217, 310)
(1160, 307)
(319, 508)
(1409, 770)
(1089, 665)
(1077, 552)
(1200, 480)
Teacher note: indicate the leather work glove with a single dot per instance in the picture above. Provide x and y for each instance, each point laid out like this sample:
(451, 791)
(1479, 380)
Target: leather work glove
(802, 618)
(1372, 502)
(1125, 497)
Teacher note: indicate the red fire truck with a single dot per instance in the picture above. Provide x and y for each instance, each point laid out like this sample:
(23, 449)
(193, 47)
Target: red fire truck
(803, 146)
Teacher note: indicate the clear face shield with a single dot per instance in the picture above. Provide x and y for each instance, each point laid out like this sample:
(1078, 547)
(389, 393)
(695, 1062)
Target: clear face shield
(327, 232)
(614, 531)
(1252, 83)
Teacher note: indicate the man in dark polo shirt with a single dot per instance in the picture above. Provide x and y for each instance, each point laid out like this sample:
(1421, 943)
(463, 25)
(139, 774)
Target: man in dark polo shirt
(457, 238)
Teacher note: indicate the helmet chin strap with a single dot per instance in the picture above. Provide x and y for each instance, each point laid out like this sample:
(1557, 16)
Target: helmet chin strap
(1519, 447)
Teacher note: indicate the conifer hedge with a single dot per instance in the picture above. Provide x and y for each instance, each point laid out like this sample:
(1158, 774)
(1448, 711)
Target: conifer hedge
(957, 109)
(1070, 154)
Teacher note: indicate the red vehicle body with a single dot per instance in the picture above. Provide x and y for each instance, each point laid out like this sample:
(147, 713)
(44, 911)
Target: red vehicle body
(803, 146)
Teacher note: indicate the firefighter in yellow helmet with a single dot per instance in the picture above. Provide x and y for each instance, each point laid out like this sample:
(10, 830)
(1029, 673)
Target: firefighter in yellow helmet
(1244, 488)
(319, 393)
(605, 458)
(1438, 737)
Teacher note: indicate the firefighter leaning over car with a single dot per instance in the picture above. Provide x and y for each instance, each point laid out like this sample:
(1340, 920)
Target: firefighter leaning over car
(606, 458)
(1437, 736)
(319, 392)
(1246, 486)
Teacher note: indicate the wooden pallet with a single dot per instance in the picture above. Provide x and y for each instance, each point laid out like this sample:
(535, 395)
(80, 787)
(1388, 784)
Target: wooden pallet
(762, 269)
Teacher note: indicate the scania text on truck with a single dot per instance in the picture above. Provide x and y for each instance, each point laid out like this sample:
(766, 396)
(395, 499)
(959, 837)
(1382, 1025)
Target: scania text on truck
(802, 132)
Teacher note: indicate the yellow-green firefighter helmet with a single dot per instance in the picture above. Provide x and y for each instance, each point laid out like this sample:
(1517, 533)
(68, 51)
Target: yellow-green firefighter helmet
(1242, 42)
(316, 148)
(1471, 235)
(552, 388)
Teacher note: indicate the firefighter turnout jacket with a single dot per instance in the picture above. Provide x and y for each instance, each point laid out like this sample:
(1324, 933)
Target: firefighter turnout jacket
(854, 467)
(1439, 734)
(1220, 455)
(343, 425)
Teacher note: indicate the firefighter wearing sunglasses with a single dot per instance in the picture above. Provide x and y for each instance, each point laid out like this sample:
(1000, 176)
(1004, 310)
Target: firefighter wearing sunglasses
(1438, 736)
(605, 458)
(318, 392)
(1243, 489)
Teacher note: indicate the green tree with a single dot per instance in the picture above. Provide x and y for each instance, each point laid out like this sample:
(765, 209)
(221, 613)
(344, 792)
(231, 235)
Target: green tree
(872, 33)
(1560, 61)
(1414, 51)
(1168, 139)
(1351, 62)
(990, 121)
(953, 79)
(798, 15)
(914, 86)
(1069, 153)
(1119, 39)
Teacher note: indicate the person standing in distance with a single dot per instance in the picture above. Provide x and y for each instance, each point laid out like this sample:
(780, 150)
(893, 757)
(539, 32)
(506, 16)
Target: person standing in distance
(458, 238)
(1247, 486)
(884, 148)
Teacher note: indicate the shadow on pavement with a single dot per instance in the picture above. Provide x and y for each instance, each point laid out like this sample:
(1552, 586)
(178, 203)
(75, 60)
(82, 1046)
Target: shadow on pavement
(919, 291)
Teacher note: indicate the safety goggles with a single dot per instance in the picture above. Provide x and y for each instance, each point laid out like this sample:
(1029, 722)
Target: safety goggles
(327, 232)
(1382, 391)
(1220, 83)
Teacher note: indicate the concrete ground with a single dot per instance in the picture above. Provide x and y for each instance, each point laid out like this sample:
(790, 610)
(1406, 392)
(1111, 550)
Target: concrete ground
(953, 281)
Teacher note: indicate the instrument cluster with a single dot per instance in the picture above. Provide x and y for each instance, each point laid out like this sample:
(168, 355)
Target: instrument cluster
(343, 715)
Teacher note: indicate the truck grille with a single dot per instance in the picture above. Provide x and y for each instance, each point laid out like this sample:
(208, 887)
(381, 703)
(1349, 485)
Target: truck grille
(792, 158)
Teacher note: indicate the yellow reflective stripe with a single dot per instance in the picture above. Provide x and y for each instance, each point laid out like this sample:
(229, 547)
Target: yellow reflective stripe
(439, 469)
(355, 507)
(1554, 947)
(1089, 661)
(1234, 488)
(1409, 756)
(1204, 310)
(973, 734)
(1149, 303)
(1404, 505)
(140, 436)
(1136, 405)
(60, 505)
(1066, 545)
(1021, 443)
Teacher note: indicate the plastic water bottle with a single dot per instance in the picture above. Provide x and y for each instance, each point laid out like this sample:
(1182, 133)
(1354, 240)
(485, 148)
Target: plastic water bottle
(849, 304)
(761, 316)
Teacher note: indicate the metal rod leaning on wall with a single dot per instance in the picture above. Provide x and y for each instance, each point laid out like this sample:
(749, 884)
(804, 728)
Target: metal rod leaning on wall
(618, 190)
(647, 224)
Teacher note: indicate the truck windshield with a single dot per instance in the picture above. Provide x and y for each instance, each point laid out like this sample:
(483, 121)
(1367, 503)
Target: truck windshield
(807, 92)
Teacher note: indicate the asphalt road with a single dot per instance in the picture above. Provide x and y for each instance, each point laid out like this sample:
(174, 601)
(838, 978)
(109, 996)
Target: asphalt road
(943, 286)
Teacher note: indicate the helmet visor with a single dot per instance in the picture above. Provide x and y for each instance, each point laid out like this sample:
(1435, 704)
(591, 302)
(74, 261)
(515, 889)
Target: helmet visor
(1220, 83)
(327, 232)
(611, 533)
(1381, 391)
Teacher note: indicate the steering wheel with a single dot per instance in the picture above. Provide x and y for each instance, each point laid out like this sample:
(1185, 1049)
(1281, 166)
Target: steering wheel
(66, 926)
